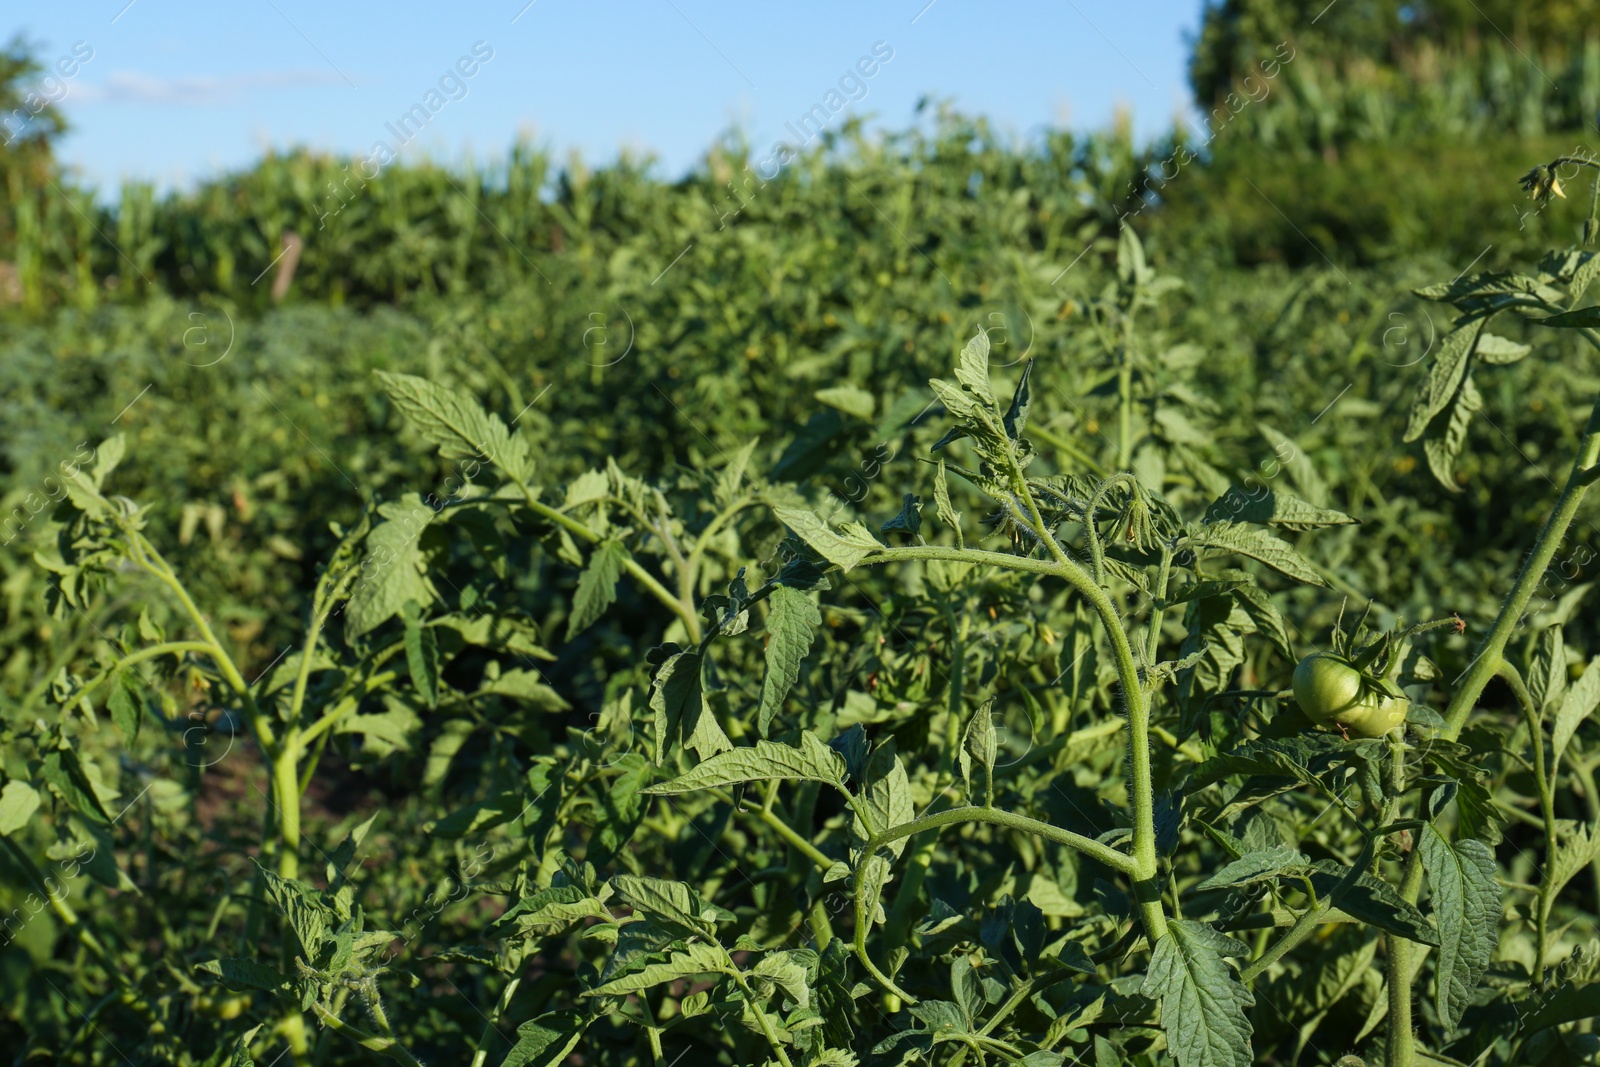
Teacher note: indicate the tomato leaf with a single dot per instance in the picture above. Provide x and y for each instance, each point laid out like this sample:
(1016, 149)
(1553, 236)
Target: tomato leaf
(1566, 1005)
(1578, 704)
(1579, 319)
(1466, 905)
(597, 586)
(18, 802)
(422, 654)
(813, 761)
(792, 621)
(886, 797)
(1273, 507)
(392, 570)
(1202, 1001)
(972, 369)
(126, 703)
(1444, 377)
(1258, 544)
(457, 424)
(1257, 866)
(845, 549)
(547, 1040)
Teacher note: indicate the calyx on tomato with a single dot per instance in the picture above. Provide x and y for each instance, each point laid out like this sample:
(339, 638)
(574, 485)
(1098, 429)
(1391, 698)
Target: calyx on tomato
(1333, 691)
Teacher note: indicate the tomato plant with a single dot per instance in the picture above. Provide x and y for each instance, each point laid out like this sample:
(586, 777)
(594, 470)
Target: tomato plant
(794, 708)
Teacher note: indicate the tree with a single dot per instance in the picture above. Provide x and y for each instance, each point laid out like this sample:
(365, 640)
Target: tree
(1236, 34)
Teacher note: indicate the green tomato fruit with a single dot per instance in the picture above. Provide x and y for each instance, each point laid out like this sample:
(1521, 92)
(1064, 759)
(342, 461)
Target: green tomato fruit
(1326, 686)
(1376, 715)
(1331, 691)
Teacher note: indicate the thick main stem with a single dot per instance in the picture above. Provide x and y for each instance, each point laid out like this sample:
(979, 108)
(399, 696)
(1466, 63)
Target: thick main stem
(1489, 662)
(286, 793)
(1401, 1045)
(1491, 655)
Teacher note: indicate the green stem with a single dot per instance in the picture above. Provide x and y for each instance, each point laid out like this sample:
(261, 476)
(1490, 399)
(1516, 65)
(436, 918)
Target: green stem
(898, 928)
(372, 1042)
(1117, 861)
(1592, 799)
(703, 539)
(863, 923)
(761, 1016)
(1491, 655)
(286, 790)
(319, 616)
(1310, 918)
(821, 925)
(332, 718)
(1594, 208)
(63, 910)
(155, 651)
(1547, 807)
(1163, 578)
(1402, 1039)
(1021, 993)
(147, 557)
(685, 612)
(1125, 397)
(1144, 872)
(311, 761)
(784, 830)
(481, 1053)
(1091, 529)
(1061, 444)
(958, 661)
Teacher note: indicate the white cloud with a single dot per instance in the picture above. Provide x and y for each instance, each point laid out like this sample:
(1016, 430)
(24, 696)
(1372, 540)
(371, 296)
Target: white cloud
(126, 86)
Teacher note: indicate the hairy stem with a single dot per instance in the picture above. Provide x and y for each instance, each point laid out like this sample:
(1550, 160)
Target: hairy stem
(863, 924)
(783, 829)
(1152, 641)
(320, 600)
(1491, 654)
(147, 557)
(1091, 529)
(1400, 1048)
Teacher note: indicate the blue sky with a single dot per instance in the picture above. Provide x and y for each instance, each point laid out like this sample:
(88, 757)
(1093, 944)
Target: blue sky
(178, 90)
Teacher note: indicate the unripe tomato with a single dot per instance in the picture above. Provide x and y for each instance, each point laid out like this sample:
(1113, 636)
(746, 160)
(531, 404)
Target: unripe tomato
(1326, 685)
(1329, 689)
(232, 1007)
(1376, 715)
(221, 1005)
